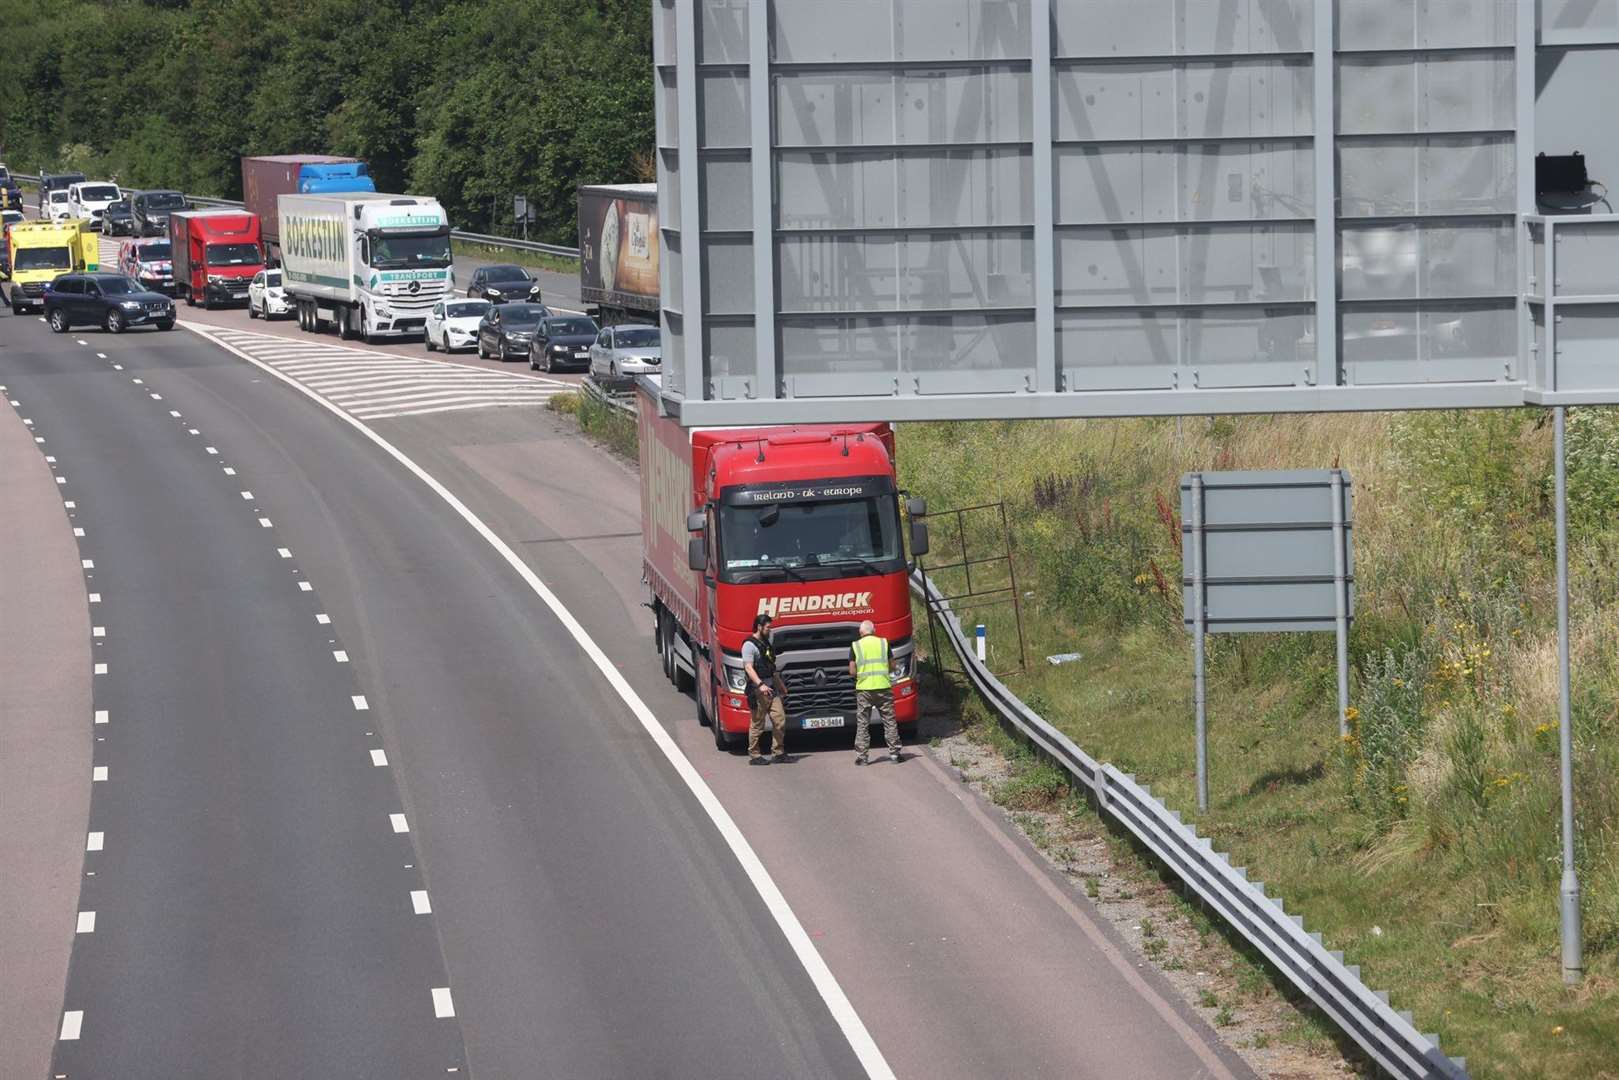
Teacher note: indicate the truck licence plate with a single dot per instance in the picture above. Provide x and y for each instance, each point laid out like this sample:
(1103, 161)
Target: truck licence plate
(811, 722)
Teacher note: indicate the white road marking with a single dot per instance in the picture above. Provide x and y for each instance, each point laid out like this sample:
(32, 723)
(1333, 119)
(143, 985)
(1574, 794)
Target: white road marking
(98, 774)
(97, 631)
(265, 523)
(49, 460)
(247, 495)
(101, 716)
(14, 401)
(323, 618)
(360, 704)
(87, 922)
(136, 381)
(82, 341)
(95, 841)
(340, 656)
(176, 414)
(284, 553)
(39, 438)
(193, 431)
(72, 1024)
(95, 598)
(103, 356)
(419, 902)
(379, 758)
(837, 1002)
(27, 421)
(304, 586)
(211, 449)
(443, 1007)
(101, 669)
(70, 504)
(229, 471)
(88, 564)
(61, 479)
(157, 397)
(77, 531)
(118, 367)
(398, 823)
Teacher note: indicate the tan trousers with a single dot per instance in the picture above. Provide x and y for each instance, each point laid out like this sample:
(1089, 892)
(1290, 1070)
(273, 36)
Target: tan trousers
(767, 706)
(883, 702)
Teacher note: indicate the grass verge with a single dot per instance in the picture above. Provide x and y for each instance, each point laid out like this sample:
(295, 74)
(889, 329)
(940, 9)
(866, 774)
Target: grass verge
(538, 260)
(612, 428)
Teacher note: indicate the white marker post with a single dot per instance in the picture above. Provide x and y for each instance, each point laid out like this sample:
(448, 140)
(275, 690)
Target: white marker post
(981, 636)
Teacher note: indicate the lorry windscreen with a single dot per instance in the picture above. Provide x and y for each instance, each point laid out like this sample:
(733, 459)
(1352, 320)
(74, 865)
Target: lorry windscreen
(391, 252)
(234, 255)
(816, 539)
(51, 258)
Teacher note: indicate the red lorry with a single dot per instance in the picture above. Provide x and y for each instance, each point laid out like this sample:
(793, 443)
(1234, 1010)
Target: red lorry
(800, 522)
(266, 177)
(215, 254)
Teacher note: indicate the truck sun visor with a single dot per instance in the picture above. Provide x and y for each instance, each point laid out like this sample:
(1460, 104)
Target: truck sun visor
(845, 487)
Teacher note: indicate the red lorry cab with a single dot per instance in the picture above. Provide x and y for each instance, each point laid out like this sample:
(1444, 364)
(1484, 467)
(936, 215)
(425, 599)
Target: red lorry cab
(215, 253)
(801, 522)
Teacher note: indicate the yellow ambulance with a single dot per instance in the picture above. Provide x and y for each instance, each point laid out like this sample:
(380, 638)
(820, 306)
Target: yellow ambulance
(42, 251)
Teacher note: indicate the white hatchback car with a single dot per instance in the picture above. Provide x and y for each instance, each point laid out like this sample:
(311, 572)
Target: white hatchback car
(265, 297)
(57, 207)
(453, 324)
(89, 200)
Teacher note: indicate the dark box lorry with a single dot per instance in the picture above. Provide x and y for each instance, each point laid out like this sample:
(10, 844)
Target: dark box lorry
(264, 178)
(618, 251)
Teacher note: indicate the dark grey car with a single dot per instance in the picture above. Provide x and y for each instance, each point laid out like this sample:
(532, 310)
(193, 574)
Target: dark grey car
(507, 330)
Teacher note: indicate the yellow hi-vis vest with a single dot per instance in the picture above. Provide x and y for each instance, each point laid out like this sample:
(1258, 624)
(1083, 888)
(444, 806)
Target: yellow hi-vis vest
(871, 664)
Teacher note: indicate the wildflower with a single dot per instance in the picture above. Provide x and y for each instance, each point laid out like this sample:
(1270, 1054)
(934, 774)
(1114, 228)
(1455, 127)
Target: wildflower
(1398, 683)
(1351, 714)
(1556, 1031)
(1509, 709)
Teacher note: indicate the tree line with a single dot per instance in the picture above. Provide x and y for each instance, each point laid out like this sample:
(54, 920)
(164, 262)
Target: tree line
(470, 102)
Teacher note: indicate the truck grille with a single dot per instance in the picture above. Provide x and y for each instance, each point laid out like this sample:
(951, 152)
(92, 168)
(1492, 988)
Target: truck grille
(806, 694)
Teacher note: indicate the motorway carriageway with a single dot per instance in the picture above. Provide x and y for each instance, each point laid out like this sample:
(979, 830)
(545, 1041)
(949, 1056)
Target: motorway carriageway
(380, 796)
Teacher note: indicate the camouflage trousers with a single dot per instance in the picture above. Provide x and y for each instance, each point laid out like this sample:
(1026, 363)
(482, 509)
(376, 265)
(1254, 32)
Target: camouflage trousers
(883, 702)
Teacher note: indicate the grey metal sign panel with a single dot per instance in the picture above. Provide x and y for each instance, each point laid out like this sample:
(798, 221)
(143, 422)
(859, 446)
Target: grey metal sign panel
(1268, 550)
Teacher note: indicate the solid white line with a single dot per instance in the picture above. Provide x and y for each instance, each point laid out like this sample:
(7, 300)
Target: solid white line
(72, 1023)
(304, 586)
(87, 922)
(95, 841)
(98, 774)
(101, 669)
(323, 618)
(398, 823)
(443, 1007)
(854, 1029)
(419, 902)
(340, 656)
(265, 523)
(360, 704)
(379, 758)
(101, 716)
(284, 553)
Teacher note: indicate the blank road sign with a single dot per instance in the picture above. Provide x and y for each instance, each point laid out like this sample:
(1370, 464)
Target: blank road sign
(1267, 543)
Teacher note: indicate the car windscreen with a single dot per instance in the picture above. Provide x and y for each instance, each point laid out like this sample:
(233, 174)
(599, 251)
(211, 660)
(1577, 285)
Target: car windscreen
(522, 316)
(163, 200)
(233, 255)
(395, 252)
(59, 195)
(570, 327)
(51, 258)
(507, 273)
(465, 310)
(154, 252)
(117, 286)
(272, 280)
(644, 337)
(97, 193)
(851, 535)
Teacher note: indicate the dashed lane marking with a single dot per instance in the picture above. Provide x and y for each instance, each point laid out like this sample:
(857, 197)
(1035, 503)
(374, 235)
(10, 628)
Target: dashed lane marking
(379, 758)
(98, 774)
(398, 823)
(323, 618)
(285, 553)
(72, 1024)
(266, 523)
(304, 586)
(419, 902)
(95, 841)
(340, 656)
(360, 704)
(87, 922)
(376, 385)
(443, 1006)
(101, 669)
(101, 716)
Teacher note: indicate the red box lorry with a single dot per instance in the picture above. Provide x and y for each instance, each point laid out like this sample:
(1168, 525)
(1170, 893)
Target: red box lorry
(215, 254)
(802, 522)
(268, 176)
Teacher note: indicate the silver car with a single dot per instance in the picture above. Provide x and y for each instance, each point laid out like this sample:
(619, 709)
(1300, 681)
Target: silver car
(625, 351)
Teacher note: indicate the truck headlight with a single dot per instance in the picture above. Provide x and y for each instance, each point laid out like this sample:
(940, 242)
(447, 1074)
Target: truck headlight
(899, 667)
(736, 679)
(216, 279)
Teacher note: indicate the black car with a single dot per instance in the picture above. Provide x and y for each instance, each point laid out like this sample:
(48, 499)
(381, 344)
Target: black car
(507, 330)
(501, 284)
(118, 219)
(151, 211)
(562, 341)
(111, 301)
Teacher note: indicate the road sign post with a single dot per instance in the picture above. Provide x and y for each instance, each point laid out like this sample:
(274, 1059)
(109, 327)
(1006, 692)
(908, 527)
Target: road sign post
(1569, 892)
(520, 212)
(1265, 551)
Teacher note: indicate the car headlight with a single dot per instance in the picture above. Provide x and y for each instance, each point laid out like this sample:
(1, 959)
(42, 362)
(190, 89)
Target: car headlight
(736, 679)
(899, 667)
(559, 348)
(130, 305)
(491, 292)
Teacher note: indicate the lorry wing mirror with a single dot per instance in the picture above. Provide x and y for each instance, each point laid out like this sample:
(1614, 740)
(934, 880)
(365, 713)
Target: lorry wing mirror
(695, 521)
(916, 507)
(697, 554)
(919, 539)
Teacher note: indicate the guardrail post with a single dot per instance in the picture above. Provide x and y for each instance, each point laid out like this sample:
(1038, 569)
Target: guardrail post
(1200, 622)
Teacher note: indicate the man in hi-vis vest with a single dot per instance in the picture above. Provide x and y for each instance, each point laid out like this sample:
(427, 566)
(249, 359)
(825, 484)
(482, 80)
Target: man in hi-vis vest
(868, 663)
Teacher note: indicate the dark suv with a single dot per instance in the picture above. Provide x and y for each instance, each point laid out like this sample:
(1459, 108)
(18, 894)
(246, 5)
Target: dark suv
(151, 209)
(111, 301)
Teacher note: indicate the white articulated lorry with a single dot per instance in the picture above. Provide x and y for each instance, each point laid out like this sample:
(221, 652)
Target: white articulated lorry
(370, 264)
